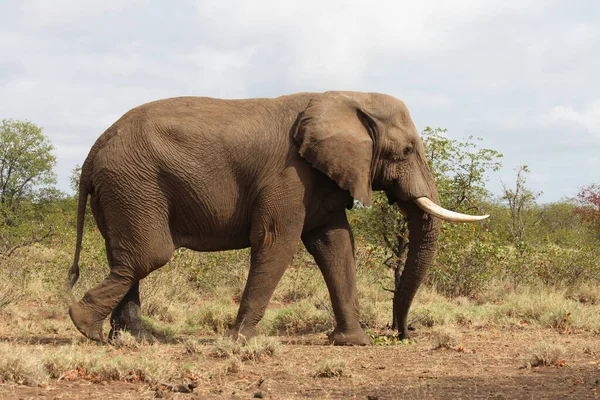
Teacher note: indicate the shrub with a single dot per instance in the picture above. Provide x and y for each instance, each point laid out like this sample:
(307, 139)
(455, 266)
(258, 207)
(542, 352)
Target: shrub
(467, 260)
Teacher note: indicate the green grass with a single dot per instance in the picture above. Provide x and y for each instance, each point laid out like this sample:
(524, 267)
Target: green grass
(211, 317)
(159, 329)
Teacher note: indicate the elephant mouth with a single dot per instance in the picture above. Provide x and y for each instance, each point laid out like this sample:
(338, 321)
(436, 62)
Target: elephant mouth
(391, 197)
(431, 208)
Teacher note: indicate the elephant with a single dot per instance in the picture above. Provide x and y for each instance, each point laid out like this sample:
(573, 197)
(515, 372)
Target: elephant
(211, 174)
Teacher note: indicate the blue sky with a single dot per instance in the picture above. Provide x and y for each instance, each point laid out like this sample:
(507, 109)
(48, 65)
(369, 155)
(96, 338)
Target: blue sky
(522, 75)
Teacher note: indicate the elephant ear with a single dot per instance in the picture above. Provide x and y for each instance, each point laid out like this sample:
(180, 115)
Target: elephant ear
(333, 136)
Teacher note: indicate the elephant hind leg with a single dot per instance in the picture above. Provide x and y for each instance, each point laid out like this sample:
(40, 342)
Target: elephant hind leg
(119, 291)
(90, 312)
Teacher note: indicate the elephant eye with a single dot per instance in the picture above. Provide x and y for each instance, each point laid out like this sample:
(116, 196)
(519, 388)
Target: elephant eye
(408, 151)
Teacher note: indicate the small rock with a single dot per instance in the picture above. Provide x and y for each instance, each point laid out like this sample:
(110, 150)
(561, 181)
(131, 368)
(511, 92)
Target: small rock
(372, 397)
(259, 395)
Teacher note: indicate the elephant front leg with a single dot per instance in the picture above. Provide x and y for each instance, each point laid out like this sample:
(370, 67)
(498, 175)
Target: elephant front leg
(333, 249)
(127, 317)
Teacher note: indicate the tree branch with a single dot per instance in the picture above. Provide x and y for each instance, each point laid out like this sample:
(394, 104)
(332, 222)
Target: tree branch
(29, 242)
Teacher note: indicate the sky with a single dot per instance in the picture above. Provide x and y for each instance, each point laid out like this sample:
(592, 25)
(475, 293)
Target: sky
(522, 75)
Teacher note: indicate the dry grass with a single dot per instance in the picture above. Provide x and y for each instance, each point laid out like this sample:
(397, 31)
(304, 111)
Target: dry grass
(234, 366)
(526, 306)
(299, 317)
(359, 372)
(548, 308)
(445, 337)
(193, 346)
(196, 295)
(32, 365)
(164, 331)
(586, 293)
(259, 347)
(300, 283)
(173, 304)
(10, 289)
(212, 317)
(18, 365)
(255, 349)
(331, 368)
(546, 354)
(126, 340)
(225, 347)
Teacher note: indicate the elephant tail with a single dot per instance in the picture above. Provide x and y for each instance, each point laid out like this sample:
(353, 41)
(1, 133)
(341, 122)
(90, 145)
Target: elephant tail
(83, 196)
(86, 187)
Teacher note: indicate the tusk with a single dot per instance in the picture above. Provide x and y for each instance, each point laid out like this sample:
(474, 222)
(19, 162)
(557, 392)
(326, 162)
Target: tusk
(430, 207)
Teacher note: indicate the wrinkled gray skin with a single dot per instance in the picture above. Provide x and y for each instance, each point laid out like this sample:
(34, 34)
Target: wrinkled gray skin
(213, 175)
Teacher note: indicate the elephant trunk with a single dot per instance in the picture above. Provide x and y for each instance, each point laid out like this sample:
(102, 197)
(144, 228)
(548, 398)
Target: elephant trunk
(423, 235)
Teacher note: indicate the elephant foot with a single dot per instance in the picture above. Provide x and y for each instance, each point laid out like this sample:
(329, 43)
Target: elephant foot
(403, 330)
(241, 334)
(129, 322)
(140, 334)
(355, 337)
(86, 321)
(403, 334)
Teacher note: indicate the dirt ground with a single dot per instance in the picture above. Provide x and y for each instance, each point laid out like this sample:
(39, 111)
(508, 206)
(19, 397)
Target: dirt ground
(487, 364)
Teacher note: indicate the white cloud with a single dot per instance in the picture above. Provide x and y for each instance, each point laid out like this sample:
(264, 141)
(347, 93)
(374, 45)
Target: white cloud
(42, 13)
(337, 43)
(588, 118)
(220, 72)
(592, 161)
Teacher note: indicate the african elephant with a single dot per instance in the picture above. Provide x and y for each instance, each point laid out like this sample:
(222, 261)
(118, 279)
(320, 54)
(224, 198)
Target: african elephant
(211, 175)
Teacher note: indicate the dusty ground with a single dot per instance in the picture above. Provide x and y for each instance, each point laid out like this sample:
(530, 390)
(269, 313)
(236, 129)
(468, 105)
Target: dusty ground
(487, 364)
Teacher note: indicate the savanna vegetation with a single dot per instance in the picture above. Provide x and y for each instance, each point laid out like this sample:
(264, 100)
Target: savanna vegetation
(532, 267)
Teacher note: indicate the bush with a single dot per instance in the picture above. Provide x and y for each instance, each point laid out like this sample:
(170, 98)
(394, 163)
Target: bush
(467, 260)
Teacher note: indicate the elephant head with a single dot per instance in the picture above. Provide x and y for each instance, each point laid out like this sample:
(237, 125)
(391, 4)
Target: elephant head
(368, 141)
